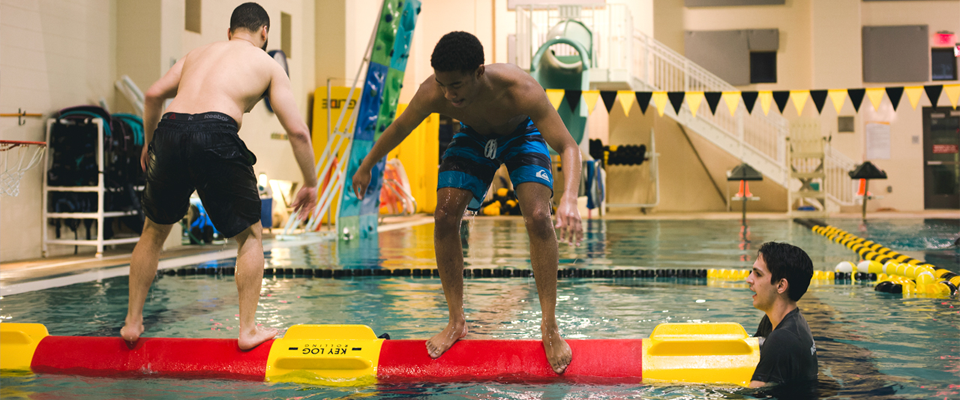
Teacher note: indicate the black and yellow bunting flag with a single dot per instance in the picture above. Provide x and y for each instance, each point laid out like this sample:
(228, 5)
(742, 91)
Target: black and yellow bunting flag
(609, 97)
(933, 93)
(643, 100)
(781, 97)
(856, 97)
(749, 99)
(676, 99)
(895, 93)
(713, 99)
(819, 98)
(573, 98)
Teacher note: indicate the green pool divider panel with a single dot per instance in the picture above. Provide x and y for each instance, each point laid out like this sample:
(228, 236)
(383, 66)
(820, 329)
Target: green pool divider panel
(378, 106)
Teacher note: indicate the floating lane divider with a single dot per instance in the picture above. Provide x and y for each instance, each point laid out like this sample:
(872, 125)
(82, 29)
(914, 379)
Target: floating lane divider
(895, 272)
(433, 272)
(352, 355)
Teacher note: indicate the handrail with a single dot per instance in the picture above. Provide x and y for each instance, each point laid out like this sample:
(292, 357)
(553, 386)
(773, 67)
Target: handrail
(653, 64)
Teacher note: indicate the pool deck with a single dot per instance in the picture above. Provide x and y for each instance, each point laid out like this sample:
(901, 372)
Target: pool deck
(27, 275)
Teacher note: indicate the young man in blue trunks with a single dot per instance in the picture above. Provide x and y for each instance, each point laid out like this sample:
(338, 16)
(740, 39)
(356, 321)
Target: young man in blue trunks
(779, 279)
(503, 111)
(195, 146)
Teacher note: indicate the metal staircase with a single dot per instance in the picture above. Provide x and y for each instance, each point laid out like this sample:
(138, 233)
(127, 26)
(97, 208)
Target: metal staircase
(639, 62)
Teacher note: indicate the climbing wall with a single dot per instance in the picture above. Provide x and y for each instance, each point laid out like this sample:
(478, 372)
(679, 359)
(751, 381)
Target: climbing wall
(391, 48)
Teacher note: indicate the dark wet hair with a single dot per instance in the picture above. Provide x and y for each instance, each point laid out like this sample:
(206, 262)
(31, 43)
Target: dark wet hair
(457, 51)
(785, 260)
(249, 16)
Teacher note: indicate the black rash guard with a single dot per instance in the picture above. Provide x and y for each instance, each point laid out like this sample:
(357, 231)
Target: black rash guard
(788, 353)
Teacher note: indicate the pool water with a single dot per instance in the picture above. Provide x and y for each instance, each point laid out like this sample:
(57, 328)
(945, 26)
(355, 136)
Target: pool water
(870, 344)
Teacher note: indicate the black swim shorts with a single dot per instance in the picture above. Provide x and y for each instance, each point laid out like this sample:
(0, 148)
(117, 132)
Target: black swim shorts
(201, 152)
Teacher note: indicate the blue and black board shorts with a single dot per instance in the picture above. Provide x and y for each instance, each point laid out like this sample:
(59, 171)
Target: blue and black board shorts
(471, 160)
(201, 152)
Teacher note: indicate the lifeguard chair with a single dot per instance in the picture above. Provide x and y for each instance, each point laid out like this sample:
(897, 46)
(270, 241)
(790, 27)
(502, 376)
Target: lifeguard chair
(806, 158)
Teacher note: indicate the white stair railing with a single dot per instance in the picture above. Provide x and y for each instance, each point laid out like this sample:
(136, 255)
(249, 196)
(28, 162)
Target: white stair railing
(660, 68)
(763, 136)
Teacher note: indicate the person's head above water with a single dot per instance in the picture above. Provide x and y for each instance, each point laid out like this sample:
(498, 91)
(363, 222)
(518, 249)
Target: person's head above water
(252, 22)
(457, 63)
(781, 271)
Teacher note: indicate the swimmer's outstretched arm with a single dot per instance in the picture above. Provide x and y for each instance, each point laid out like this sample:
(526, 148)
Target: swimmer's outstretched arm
(533, 102)
(414, 114)
(284, 105)
(160, 91)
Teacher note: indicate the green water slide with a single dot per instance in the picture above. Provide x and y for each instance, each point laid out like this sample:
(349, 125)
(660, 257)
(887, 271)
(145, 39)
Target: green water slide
(568, 72)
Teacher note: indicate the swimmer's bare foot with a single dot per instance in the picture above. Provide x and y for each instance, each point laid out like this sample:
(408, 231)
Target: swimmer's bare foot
(249, 340)
(444, 340)
(558, 351)
(131, 332)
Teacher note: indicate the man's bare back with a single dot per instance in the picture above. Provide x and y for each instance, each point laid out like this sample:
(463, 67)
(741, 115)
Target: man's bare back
(229, 77)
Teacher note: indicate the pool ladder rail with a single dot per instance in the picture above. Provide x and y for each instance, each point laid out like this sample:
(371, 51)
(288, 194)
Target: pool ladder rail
(352, 355)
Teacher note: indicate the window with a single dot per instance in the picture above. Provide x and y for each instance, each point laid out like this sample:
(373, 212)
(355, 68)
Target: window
(944, 64)
(896, 53)
(192, 16)
(763, 67)
(285, 32)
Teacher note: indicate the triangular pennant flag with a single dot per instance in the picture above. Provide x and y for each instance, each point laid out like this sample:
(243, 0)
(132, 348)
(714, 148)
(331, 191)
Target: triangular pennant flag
(643, 100)
(555, 96)
(573, 98)
(819, 98)
(895, 93)
(693, 101)
(839, 96)
(856, 97)
(713, 99)
(609, 97)
(749, 99)
(876, 96)
(933, 93)
(660, 101)
(781, 97)
(676, 100)
(766, 97)
(733, 100)
(913, 93)
(799, 98)
(591, 96)
(626, 100)
(953, 92)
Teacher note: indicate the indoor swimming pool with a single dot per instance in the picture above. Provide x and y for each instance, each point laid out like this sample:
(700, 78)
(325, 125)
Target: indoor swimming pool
(870, 344)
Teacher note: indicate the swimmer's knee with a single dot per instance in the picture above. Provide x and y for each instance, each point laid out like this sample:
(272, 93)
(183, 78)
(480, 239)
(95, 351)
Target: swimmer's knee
(538, 221)
(447, 217)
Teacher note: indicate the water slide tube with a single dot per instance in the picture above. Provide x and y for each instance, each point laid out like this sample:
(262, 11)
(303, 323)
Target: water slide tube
(352, 355)
(568, 72)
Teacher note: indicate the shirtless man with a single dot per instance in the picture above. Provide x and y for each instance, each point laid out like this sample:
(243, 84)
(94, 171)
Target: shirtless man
(195, 146)
(501, 108)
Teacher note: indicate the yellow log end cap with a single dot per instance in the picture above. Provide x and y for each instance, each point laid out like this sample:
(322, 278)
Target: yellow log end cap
(18, 342)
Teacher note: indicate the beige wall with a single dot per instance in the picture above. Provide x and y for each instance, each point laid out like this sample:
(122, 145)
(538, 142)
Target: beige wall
(53, 54)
